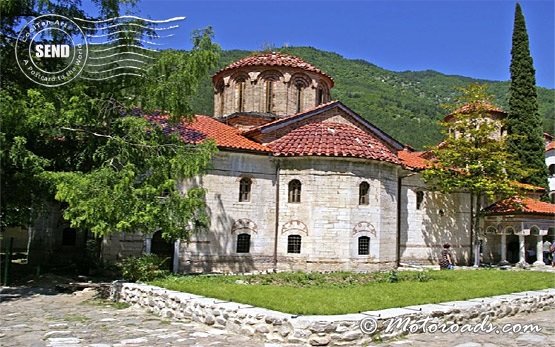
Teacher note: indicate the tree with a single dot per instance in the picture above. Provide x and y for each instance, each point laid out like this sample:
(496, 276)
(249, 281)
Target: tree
(524, 123)
(473, 158)
(89, 146)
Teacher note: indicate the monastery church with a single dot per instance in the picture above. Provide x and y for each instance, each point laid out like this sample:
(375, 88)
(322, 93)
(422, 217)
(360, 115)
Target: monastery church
(301, 182)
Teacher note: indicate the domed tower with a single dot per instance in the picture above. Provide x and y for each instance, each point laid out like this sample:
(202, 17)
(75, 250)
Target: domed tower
(269, 86)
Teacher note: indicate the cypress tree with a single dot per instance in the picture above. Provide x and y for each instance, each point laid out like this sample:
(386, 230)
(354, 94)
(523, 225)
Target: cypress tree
(524, 124)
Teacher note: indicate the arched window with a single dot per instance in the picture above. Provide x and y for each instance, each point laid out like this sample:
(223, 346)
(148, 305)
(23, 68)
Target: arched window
(245, 189)
(243, 243)
(552, 170)
(240, 85)
(269, 96)
(220, 91)
(363, 245)
(294, 244)
(299, 90)
(319, 96)
(364, 193)
(419, 199)
(294, 191)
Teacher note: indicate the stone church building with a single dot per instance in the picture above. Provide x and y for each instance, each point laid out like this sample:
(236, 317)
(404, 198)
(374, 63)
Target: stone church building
(302, 182)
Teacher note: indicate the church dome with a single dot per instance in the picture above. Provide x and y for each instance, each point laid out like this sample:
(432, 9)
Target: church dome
(273, 59)
(269, 86)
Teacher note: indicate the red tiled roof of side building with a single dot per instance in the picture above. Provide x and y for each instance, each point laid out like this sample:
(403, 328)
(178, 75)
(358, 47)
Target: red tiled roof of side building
(485, 106)
(413, 160)
(273, 59)
(205, 127)
(550, 146)
(332, 140)
(521, 205)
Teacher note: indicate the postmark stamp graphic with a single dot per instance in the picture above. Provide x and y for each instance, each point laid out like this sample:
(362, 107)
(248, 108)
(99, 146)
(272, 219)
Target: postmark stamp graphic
(51, 50)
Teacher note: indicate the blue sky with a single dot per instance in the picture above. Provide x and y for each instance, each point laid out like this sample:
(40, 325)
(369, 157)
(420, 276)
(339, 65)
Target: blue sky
(469, 38)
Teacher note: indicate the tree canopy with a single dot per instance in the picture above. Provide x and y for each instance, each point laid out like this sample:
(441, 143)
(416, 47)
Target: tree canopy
(524, 122)
(88, 144)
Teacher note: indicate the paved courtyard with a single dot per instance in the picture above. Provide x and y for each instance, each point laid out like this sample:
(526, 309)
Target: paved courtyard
(79, 320)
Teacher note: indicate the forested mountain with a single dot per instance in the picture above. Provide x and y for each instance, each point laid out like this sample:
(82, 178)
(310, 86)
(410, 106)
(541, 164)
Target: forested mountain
(406, 105)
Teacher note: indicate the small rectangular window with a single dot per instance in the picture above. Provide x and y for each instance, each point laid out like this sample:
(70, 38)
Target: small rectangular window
(294, 244)
(243, 243)
(363, 245)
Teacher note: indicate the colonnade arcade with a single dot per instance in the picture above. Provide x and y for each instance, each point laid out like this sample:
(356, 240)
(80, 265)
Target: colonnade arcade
(516, 238)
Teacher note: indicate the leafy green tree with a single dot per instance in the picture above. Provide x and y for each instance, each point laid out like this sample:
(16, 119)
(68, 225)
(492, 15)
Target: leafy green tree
(473, 157)
(88, 145)
(524, 122)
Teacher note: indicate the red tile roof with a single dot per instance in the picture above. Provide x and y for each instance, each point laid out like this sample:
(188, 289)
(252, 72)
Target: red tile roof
(550, 146)
(332, 139)
(290, 118)
(468, 108)
(521, 205)
(205, 127)
(273, 59)
(413, 160)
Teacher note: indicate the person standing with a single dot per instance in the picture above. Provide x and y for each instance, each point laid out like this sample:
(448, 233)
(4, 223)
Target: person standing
(547, 252)
(446, 259)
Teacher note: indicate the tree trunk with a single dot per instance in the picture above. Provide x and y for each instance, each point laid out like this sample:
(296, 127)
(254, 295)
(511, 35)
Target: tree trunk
(476, 229)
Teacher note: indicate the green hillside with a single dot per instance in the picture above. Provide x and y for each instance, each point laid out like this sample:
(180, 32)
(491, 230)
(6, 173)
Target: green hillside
(406, 105)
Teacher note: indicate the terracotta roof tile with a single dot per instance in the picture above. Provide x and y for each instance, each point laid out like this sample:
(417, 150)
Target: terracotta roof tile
(486, 106)
(413, 160)
(205, 127)
(273, 59)
(521, 205)
(333, 140)
(292, 117)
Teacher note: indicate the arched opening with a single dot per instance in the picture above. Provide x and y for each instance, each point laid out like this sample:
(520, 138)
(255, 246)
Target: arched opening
(240, 93)
(162, 248)
(294, 191)
(364, 193)
(245, 189)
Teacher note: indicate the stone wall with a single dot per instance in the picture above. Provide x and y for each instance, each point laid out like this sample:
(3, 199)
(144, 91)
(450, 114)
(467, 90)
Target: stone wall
(122, 245)
(215, 249)
(329, 218)
(441, 218)
(337, 330)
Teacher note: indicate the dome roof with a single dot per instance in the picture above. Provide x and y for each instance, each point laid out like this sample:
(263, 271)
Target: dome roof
(272, 59)
(477, 106)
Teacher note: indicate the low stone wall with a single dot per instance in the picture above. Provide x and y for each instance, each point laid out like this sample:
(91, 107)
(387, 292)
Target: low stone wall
(336, 330)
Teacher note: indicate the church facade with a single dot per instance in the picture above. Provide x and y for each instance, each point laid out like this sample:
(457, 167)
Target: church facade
(302, 182)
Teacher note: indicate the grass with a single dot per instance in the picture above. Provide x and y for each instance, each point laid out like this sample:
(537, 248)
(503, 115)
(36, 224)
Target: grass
(340, 293)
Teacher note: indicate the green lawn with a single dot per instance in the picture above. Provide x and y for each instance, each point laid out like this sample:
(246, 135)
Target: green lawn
(339, 293)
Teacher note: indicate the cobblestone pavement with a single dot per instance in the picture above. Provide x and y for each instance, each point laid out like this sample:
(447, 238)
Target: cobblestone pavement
(78, 320)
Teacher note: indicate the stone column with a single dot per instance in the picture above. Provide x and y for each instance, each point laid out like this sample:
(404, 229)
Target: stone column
(521, 250)
(503, 250)
(539, 252)
(148, 244)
